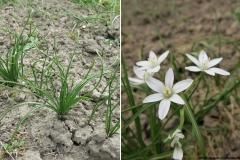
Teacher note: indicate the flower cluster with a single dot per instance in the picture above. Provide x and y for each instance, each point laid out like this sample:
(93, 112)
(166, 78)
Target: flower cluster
(205, 64)
(147, 68)
(168, 92)
(174, 137)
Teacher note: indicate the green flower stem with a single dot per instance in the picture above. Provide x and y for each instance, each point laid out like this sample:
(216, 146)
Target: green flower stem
(194, 82)
(160, 74)
(181, 118)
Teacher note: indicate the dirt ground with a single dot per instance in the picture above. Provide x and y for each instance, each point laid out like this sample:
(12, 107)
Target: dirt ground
(181, 23)
(46, 137)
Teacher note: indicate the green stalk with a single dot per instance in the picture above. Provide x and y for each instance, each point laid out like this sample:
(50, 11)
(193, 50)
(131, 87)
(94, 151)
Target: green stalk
(194, 82)
(181, 118)
(132, 103)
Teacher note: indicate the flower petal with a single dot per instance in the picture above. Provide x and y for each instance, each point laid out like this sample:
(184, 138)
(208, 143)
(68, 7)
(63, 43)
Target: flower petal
(153, 98)
(182, 85)
(169, 78)
(152, 54)
(153, 70)
(179, 135)
(193, 68)
(176, 99)
(154, 84)
(177, 153)
(143, 68)
(210, 72)
(163, 56)
(193, 59)
(135, 80)
(202, 57)
(139, 73)
(214, 62)
(163, 108)
(219, 71)
(144, 63)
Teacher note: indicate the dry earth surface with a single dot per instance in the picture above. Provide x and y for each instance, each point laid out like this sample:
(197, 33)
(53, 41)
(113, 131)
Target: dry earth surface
(181, 23)
(46, 137)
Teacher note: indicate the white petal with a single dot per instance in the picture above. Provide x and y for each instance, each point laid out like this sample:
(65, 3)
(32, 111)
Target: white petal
(144, 63)
(153, 98)
(176, 131)
(135, 80)
(139, 73)
(169, 78)
(176, 99)
(219, 71)
(142, 68)
(163, 108)
(182, 85)
(210, 72)
(177, 153)
(153, 70)
(175, 140)
(163, 56)
(214, 62)
(202, 57)
(154, 84)
(152, 54)
(193, 59)
(193, 68)
(179, 135)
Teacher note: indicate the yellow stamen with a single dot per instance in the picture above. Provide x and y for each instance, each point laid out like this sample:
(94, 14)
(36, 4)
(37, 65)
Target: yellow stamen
(152, 60)
(166, 90)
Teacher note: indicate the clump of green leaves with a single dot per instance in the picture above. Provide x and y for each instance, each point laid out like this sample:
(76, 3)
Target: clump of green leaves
(111, 42)
(12, 149)
(112, 86)
(12, 62)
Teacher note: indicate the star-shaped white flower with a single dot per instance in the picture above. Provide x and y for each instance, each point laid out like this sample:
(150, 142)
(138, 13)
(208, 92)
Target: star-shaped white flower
(153, 63)
(205, 64)
(167, 92)
(141, 74)
(177, 153)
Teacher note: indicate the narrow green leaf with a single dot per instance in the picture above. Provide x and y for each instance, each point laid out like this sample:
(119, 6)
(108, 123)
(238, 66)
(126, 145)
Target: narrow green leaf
(195, 126)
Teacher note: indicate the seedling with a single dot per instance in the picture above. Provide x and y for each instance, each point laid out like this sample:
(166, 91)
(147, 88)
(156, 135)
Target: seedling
(12, 150)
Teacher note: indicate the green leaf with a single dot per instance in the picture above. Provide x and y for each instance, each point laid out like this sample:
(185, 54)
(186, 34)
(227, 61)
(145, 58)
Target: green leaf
(15, 143)
(21, 143)
(136, 115)
(5, 145)
(195, 126)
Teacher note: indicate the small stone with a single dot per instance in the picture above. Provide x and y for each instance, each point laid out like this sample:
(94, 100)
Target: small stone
(91, 46)
(82, 136)
(99, 133)
(71, 125)
(5, 137)
(21, 97)
(31, 155)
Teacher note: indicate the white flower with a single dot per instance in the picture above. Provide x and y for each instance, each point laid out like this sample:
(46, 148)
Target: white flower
(167, 92)
(204, 64)
(153, 63)
(83, 26)
(141, 74)
(177, 153)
